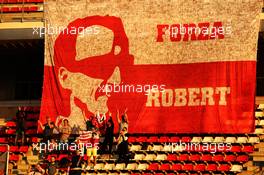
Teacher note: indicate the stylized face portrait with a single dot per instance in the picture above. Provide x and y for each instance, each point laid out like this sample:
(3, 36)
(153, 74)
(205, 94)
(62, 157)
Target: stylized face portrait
(88, 60)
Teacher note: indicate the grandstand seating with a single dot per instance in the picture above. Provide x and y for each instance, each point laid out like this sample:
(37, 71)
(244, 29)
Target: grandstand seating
(157, 154)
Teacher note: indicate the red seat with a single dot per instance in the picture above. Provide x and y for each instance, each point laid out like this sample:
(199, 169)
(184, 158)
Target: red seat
(187, 167)
(211, 167)
(15, 9)
(142, 139)
(153, 166)
(3, 149)
(172, 157)
(11, 131)
(35, 1)
(153, 139)
(11, 124)
(224, 167)
(23, 149)
(31, 131)
(242, 158)
(199, 167)
(12, 1)
(31, 124)
(235, 149)
(194, 157)
(5, 9)
(61, 156)
(176, 167)
(163, 139)
(183, 157)
(13, 149)
(33, 8)
(248, 149)
(3, 140)
(230, 158)
(186, 139)
(34, 139)
(218, 158)
(14, 157)
(51, 155)
(174, 139)
(131, 139)
(206, 157)
(165, 166)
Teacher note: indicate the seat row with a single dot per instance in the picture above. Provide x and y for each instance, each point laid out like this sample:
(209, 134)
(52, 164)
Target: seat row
(187, 139)
(168, 167)
(213, 148)
(21, 9)
(21, 1)
(242, 158)
(28, 124)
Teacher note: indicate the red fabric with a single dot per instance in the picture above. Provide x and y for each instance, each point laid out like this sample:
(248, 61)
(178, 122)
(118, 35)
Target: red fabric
(144, 119)
(237, 116)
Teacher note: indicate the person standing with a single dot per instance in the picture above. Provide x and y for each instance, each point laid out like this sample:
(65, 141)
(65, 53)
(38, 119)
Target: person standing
(20, 125)
(47, 129)
(109, 136)
(65, 131)
(123, 123)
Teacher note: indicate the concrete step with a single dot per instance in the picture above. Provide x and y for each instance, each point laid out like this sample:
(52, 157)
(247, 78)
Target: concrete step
(257, 159)
(257, 154)
(259, 145)
(248, 173)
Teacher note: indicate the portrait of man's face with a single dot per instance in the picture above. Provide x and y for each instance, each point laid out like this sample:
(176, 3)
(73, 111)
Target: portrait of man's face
(85, 86)
(88, 61)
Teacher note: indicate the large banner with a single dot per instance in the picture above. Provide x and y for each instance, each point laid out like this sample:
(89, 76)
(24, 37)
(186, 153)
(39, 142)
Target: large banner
(178, 66)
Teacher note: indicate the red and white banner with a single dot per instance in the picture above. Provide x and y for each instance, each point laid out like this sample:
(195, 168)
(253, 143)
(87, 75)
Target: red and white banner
(177, 66)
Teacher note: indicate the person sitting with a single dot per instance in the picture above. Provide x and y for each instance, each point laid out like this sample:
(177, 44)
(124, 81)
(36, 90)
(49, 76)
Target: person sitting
(52, 168)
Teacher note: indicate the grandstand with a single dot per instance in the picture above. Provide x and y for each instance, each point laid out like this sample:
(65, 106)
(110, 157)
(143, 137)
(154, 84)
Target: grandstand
(150, 153)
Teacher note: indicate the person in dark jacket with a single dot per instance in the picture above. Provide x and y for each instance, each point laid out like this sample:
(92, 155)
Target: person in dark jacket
(47, 129)
(122, 146)
(20, 125)
(109, 136)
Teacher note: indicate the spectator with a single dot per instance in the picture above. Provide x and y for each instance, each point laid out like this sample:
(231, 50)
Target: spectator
(47, 129)
(109, 135)
(20, 125)
(76, 160)
(65, 131)
(124, 121)
(36, 170)
(76, 163)
(52, 166)
(92, 150)
(122, 146)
